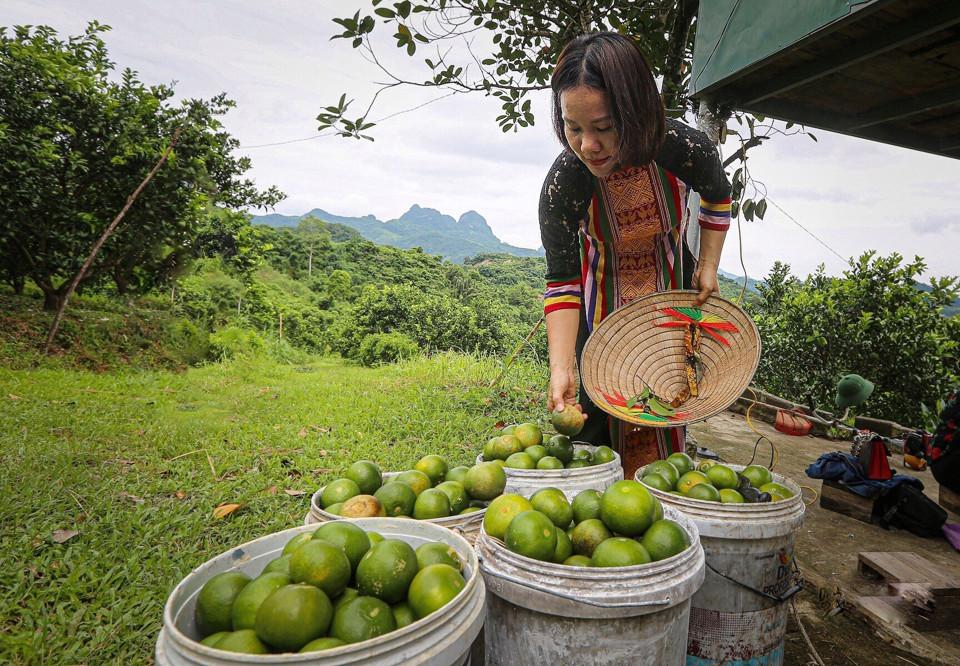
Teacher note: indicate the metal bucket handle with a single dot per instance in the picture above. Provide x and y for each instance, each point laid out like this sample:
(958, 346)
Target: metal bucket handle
(790, 592)
(579, 600)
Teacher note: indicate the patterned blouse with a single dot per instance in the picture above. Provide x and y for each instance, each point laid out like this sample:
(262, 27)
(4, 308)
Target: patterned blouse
(611, 240)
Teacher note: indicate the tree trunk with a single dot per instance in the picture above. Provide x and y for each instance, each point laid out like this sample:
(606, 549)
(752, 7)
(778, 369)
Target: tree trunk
(673, 93)
(52, 298)
(18, 282)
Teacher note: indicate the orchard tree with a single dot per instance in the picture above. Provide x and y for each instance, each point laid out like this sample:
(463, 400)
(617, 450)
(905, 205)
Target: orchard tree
(75, 142)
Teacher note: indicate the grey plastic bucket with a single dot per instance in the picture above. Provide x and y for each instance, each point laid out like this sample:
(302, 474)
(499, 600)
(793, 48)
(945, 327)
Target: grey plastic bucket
(571, 481)
(467, 525)
(543, 613)
(443, 638)
(739, 616)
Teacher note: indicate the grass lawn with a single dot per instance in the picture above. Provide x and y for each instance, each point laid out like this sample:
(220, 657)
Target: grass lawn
(135, 463)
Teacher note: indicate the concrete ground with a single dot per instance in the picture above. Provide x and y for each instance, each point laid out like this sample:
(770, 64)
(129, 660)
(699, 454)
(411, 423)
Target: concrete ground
(826, 551)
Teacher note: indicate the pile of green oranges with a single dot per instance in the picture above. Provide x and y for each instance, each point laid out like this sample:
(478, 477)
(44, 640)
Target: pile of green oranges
(712, 481)
(622, 526)
(336, 585)
(430, 490)
(525, 446)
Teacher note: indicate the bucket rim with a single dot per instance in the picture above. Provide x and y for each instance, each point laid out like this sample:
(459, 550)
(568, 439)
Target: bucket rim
(462, 598)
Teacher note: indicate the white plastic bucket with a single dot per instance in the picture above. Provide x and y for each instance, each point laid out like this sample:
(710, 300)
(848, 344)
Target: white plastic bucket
(443, 638)
(739, 616)
(467, 525)
(571, 481)
(544, 613)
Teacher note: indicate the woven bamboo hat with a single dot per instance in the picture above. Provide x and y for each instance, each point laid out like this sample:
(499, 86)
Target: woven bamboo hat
(636, 362)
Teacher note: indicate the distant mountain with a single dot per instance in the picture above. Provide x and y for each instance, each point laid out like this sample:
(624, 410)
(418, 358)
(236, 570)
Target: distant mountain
(420, 227)
(751, 283)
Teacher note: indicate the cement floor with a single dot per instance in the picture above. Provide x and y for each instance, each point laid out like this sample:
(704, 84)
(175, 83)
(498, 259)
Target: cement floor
(828, 543)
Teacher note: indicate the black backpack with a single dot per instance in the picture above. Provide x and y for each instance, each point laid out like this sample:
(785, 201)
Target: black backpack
(908, 508)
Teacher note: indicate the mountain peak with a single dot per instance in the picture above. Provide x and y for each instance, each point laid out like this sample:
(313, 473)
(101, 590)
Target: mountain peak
(474, 220)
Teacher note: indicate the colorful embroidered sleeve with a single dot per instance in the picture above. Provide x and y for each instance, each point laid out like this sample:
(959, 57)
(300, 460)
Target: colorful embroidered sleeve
(690, 155)
(564, 202)
(715, 214)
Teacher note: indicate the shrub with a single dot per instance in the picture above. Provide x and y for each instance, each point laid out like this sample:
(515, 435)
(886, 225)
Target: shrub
(378, 348)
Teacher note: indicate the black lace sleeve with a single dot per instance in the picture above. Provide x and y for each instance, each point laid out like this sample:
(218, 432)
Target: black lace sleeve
(564, 201)
(692, 157)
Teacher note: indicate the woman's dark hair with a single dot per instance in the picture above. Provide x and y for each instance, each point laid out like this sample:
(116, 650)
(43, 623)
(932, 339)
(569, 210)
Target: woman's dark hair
(612, 63)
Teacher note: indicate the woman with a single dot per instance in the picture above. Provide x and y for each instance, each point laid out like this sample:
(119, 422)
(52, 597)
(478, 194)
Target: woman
(613, 214)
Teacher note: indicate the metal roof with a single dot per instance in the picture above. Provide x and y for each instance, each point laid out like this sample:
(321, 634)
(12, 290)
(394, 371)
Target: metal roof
(886, 70)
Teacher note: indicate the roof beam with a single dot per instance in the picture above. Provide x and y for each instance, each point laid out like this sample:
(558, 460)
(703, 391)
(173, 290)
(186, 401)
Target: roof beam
(904, 109)
(785, 110)
(873, 45)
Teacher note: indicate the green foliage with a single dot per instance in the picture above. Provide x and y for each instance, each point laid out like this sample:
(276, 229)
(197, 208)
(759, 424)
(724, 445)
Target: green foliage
(525, 40)
(872, 321)
(380, 348)
(76, 139)
(433, 322)
(234, 342)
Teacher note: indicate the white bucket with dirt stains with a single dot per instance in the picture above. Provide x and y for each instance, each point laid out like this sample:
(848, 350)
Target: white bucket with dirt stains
(551, 614)
(739, 616)
(443, 638)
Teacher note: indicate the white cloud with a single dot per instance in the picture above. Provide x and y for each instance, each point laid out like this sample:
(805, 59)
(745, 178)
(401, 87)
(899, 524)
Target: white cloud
(278, 62)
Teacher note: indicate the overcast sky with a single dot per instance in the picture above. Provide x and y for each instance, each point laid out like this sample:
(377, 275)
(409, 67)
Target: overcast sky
(277, 61)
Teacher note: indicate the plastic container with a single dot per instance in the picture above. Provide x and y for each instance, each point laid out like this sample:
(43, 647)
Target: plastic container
(544, 613)
(571, 481)
(467, 525)
(443, 638)
(739, 616)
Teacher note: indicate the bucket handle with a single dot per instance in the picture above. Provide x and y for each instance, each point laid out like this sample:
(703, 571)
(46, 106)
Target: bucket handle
(570, 597)
(790, 592)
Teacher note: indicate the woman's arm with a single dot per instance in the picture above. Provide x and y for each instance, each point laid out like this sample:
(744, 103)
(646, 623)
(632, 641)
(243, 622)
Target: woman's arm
(693, 158)
(564, 199)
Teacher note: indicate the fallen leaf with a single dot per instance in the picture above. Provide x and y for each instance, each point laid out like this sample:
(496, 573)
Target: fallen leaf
(499, 425)
(302, 433)
(132, 498)
(13, 397)
(294, 493)
(322, 470)
(322, 453)
(225, 509)
(272, 490)
(265, 389)
(180, 495)
(62, 536)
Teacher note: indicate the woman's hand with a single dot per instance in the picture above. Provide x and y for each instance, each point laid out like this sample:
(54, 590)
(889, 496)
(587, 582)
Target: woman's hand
(705, 281)
(563, 389)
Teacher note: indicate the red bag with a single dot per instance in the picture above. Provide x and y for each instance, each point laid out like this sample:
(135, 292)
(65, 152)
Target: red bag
(792, 422)
(873, 458)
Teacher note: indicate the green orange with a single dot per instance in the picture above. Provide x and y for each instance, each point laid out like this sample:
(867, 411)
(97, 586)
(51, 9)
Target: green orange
(532, 534)
(248, 602)
(322, 565)
(437, 552)
(339, 491)
(666, 469)
(587, 535)
(485, 481)
(549, 462)
(722, 477)
(561, 448)
(627, 508)
(586, 505)
(433, 588)
(703, 491)
(397, 499)
(501, 511)
(682, 462)
(386, 570)
(521, 461)
(415, 479)
(214, 609)
(434, 467)
(431, 503)
(366, 475)
(664, 539)
(689, 479)
(529, 434)
(619, 552)
(293, 616)
(554, 505)
(361, 619)
(457, 495)
(348, 537)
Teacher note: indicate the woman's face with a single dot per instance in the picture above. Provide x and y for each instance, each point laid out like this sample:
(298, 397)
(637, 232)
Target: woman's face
(588, 126)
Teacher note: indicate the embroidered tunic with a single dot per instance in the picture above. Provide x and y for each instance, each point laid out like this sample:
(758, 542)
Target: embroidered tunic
(611, 240)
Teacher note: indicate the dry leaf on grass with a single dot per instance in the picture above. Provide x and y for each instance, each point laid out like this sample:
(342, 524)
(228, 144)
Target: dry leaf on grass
(225, 509)
(13, 397)
(62, 536)
(295, 493)
(180, 495)
(132, 498)
(272, 490)
(302, 433)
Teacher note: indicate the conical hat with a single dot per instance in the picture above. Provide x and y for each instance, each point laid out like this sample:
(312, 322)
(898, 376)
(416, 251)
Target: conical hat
(641, 345)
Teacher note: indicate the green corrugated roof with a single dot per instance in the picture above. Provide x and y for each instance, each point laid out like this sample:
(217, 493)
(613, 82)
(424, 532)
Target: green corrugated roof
(733, 35)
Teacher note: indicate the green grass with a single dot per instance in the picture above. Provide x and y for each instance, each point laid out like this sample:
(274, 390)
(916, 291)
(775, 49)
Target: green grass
(123, 459)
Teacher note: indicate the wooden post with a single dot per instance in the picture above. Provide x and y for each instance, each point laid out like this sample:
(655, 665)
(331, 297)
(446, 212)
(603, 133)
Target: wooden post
(281, 325)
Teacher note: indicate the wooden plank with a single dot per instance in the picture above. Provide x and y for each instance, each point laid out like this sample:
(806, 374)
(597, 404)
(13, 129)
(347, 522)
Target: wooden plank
(893, 611)
(834, 497)
(905, 567)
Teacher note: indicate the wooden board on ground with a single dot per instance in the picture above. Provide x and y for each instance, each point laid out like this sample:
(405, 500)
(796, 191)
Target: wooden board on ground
(923, 597)
(836, 497)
